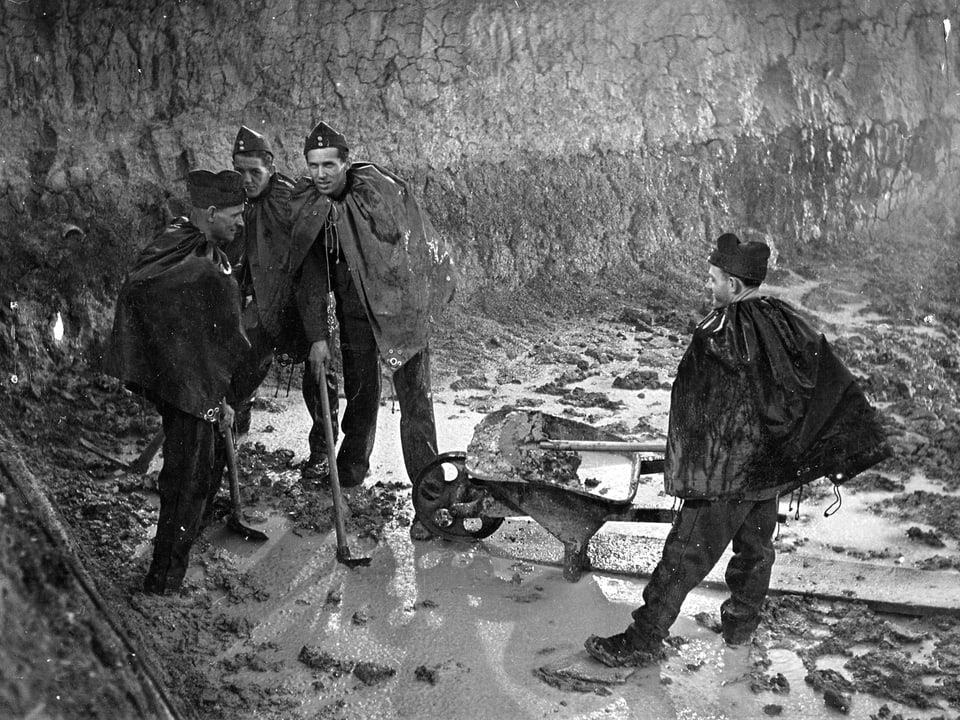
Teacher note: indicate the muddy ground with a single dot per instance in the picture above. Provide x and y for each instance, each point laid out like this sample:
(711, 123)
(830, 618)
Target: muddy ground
(908, 363)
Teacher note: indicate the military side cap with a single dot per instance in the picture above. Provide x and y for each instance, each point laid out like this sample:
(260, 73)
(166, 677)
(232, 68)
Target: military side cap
(250, 141)
(324, 136)
(220, 189)
(744, 260)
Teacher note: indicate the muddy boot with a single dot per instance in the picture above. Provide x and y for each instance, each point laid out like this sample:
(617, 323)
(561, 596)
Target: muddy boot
(316, 469)
(419, 532)
(737, 633)
(623, 650)
(738, 621)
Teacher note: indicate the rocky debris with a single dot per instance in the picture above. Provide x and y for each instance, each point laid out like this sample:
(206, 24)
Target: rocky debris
(579, 397)
(369, 673)
(425, 674)
(638, 380)
(764, 682)
(267, 404)
(927, 537)
(557, 386)
(641, 320)
(709, 621)
(472, 382)
(940, 511)
(253, 661)
(836, 689)
(434, 673)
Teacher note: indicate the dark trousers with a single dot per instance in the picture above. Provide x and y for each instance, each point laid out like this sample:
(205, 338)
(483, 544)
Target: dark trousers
(193, 461)
(698, 538)
(362, 387)
(248, 376)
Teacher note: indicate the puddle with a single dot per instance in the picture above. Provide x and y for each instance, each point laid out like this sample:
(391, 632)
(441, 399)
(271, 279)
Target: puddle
(464, 632)
(463, 628)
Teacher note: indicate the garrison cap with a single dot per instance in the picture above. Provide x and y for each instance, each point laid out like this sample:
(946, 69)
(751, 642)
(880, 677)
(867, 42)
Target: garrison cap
(250, 141)
(220, 189)
(743, 260)
(324, 136)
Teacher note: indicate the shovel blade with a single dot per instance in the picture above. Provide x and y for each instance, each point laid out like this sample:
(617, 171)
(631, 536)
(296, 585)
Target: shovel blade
(343, 556)
(248, 533)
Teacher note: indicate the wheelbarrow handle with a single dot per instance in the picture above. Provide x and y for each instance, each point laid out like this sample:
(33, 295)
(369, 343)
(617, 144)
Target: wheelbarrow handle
(603, 446)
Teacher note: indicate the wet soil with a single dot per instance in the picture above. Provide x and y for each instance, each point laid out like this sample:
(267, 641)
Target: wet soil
(611, 370)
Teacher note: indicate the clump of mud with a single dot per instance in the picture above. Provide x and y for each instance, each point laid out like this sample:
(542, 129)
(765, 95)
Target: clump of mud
(506, 445)
(892, 661)
(369, 673)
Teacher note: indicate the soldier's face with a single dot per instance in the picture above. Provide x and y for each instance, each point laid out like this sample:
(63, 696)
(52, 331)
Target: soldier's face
(328, 171)
(254, 172)
(225, 223)
(722, 287)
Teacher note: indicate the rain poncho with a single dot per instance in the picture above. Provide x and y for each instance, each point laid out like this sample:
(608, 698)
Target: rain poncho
(177, 334)
(399, 263)
(761, 405)
(259, 258)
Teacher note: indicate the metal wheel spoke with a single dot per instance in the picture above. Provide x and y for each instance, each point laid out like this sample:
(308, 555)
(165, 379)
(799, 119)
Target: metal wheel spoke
(440, 485)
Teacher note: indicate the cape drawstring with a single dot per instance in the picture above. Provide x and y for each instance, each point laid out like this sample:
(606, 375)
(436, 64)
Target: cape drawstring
(799, 492)
(837, 502)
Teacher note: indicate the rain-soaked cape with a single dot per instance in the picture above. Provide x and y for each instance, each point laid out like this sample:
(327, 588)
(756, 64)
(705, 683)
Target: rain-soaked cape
(177, 335)
(399, 262)
(761, 405)
(259, 258)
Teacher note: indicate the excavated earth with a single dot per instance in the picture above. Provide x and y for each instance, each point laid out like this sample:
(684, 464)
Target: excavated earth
(907, 364)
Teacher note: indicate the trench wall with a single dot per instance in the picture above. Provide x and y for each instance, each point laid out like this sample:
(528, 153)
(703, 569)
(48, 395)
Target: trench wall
(547, 138)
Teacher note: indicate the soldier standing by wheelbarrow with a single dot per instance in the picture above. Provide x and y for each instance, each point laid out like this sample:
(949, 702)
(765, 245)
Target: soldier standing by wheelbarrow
(760, 406)
(369, 271)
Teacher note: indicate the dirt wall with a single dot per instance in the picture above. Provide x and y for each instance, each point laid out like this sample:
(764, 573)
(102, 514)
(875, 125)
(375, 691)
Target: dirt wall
(546, 138)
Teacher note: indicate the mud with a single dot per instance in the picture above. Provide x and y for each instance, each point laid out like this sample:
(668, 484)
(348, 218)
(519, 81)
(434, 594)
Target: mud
(905, 364)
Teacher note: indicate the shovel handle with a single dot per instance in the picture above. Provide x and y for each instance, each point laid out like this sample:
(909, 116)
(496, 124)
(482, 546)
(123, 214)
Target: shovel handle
(342, 551)
(603, 446)
(142, 463)
(231, 452)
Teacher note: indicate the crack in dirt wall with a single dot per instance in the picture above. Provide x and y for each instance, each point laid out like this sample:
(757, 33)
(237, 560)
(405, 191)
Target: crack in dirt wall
(544, 138)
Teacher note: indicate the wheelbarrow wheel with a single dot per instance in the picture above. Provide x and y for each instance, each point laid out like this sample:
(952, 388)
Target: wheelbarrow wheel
(441, 484)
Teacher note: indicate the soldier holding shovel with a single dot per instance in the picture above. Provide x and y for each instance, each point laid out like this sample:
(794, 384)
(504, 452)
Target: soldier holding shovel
(369, 271)
(177, 339)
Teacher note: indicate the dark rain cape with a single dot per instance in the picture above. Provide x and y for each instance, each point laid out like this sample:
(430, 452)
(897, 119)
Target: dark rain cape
(398, 261)
(761, 405)
(177, 334)
(259, 256)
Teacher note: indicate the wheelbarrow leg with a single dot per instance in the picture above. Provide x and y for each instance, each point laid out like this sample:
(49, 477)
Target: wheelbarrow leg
(571, 519)
(575, 559)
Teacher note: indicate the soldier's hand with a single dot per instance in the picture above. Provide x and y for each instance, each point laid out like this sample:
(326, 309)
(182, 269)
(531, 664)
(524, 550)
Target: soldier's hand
(318, 357)
(226, 416)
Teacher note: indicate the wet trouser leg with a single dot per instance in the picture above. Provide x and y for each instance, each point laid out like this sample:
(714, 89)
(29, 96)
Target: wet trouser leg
(185, 481)
(700, 534)
(310, 388)
(418, 428)
(361, 386)
(248, 376)
(748, 572)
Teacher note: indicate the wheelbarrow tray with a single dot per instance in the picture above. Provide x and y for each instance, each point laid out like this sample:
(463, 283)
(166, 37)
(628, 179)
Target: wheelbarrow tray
(514, 458)
(517, 445)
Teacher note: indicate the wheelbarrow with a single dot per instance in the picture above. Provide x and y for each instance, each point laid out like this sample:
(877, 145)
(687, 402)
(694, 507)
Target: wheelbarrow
(526, 462)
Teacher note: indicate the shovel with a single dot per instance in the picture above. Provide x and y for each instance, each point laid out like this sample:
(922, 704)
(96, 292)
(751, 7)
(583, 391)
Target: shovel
(233, 519)
(138, 466)
(343, 552)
